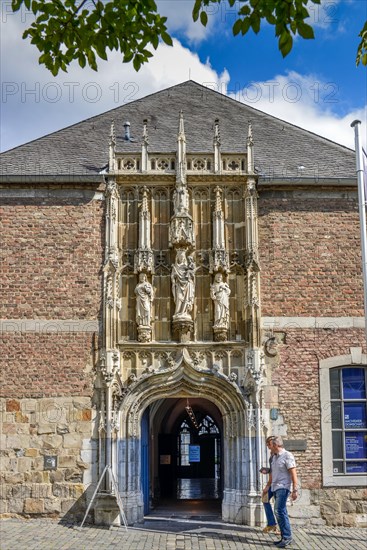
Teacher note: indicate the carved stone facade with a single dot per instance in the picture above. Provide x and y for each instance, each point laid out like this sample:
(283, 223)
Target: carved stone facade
(177, 276)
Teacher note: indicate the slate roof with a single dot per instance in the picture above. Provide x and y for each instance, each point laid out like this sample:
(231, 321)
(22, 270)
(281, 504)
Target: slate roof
(279, 147)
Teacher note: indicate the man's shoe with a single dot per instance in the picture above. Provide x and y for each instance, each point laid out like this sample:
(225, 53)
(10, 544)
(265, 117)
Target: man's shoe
(277, 542)
(284, 543)
(271, 529)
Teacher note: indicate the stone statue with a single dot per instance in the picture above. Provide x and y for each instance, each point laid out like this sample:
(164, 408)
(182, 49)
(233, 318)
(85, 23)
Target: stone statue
(181, 200)
(220, 292)
(183, 284)
(144, 299)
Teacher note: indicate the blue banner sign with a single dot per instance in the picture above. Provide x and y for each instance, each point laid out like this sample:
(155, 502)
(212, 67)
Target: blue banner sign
(194, 453)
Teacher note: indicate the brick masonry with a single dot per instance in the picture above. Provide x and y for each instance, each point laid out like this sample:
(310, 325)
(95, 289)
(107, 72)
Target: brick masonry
(311, 266)
(310, 254)
(52, 252)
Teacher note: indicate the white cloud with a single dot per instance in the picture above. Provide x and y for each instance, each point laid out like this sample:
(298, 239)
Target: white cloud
(179, 19)
(306, 101)
(34, 103)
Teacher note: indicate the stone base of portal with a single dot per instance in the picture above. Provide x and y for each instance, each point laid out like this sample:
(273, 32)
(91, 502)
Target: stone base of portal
(183, 329)
(106, 510)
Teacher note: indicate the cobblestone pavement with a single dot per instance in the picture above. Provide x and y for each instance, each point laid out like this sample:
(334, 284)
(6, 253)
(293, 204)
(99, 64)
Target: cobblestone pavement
(156, 534)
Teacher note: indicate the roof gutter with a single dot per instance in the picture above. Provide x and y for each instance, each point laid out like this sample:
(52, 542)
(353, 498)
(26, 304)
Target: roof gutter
(53, 178)
(264, 182)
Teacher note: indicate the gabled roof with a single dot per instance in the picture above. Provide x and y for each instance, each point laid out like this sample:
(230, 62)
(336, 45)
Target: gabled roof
(279, 147)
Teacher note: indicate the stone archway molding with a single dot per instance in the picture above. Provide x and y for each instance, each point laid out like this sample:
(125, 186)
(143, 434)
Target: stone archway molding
(185, 379)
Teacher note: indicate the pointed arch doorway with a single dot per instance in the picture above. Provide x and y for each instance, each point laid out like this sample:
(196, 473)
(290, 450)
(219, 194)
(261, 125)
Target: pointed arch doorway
(164, 394)
(186, 458)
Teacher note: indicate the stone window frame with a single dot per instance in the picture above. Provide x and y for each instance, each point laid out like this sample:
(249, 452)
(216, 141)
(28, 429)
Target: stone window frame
(356, 359)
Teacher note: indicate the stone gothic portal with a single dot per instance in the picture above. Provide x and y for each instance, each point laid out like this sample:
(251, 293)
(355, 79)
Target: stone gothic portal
(180, 365)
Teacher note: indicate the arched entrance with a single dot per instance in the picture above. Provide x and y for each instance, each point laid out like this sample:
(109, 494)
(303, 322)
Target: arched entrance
(164, 392)
(188, 454)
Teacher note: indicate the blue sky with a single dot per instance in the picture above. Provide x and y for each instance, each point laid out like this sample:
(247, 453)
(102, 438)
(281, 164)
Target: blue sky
(317, 86)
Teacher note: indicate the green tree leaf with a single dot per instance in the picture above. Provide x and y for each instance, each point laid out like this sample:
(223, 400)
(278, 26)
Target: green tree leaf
(84, 30)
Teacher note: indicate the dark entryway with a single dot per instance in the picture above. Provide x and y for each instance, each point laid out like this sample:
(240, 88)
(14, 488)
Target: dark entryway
(190, 456)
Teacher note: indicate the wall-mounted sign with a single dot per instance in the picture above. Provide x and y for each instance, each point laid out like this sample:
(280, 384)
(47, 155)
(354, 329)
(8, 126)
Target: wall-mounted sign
(194, 453)
(165, 459)
(355, 445)
(355, 415)
(356, 467)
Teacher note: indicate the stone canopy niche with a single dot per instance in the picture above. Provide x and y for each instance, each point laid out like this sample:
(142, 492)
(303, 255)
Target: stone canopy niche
(181, 257)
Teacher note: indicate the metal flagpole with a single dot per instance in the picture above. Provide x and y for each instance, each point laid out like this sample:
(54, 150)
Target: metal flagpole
(362, 212)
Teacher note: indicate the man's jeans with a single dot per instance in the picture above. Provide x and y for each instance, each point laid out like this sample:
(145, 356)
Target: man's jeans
(281, 513)
(269, 509)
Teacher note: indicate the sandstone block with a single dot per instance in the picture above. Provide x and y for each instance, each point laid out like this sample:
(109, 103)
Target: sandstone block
(349, 520)
(3, 506)
(51, 441)
(361, 507)
(72, 441)
(24, 464)
(52, 505)
(6, 490)
(16, 505)
(33, 477)
(5, 462)
(46, 428)
(38, 463)
(67, 461)
(330, 507)
(77, 490)
(348, 506)
(33, 506)
(302, 512)
(41, 490)
(334, 520)
(61, 490)
(56, 476)
(84, 427)
(22, 491)
(14, 442)
(82, 465)
(2, 442)
(9, 428)
(19, 417)
(73, 475)
(31, 452)
(14, 478)
(12, 405)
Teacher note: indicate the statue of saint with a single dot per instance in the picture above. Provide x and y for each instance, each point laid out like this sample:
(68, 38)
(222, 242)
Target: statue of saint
(220, 292)
(183, 284)
(181, 199)
(144, 299)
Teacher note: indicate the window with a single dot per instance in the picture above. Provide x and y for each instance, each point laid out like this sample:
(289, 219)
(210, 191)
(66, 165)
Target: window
(343, 397)
(349, 420)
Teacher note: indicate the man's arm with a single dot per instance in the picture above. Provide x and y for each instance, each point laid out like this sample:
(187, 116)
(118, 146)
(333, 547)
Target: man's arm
(293, 473)
(268, 485)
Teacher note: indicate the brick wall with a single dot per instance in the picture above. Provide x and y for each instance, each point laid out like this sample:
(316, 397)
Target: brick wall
(51, 258)
(52, 252)
(46, 365)
(310, 254)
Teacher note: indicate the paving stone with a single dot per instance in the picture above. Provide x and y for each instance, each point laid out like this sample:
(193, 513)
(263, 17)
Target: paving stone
(39, 534)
